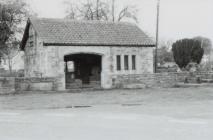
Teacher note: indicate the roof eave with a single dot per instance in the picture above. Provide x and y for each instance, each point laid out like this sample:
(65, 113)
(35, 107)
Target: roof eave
(25, 36)
(104, 45)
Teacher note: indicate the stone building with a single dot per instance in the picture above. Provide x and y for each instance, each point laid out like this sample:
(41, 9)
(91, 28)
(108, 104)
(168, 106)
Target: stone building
(85, 53)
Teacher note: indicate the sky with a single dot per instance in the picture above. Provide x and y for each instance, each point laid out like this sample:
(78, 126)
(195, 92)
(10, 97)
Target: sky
(178, 18)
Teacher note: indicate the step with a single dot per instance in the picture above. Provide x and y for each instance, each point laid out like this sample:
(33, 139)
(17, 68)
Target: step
(83, 90)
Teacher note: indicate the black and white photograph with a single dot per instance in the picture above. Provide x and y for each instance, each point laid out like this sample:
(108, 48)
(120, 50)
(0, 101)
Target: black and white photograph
(106, 70)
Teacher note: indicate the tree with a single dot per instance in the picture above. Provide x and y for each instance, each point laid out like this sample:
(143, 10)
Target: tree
(164, 55)
(12, 15)
(186, 51)
(164, 52)
(99, 10)
(10, 51)
(206, 44)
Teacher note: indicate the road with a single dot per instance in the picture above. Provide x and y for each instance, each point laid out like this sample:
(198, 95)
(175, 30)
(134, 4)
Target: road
(102, 123)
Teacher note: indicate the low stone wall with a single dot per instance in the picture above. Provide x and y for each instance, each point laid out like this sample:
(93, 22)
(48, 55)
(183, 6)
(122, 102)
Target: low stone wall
(7, 73)
(163, 80)
(7, 85)
(202, 75)
(32, 84)
(144, 80)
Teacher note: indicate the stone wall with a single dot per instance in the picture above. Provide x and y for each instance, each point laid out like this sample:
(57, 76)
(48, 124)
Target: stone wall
(149, 80)
(144, 80)
(54, 63)
(35, 57)
(11, 84)
(164, 80)
(144, 60)
(36, 84)
(193, 77)
(7, 85)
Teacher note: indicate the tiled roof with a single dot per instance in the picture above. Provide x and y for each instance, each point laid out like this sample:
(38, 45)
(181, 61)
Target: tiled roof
(75, 32)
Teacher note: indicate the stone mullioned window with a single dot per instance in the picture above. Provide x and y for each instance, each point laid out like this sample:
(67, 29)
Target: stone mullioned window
(126, 62)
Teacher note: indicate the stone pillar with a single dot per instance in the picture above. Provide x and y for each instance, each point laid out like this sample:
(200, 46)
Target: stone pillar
(61, 84)
(106, 78)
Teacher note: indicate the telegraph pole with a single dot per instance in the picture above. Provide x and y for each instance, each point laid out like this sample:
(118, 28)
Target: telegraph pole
(113, 10)
(157, 35)
(97, 9)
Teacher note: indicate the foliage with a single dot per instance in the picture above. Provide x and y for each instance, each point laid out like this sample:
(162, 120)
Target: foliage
(186, 51)
(99, 10)
(12, 15)
(165, 53)
(206, 44)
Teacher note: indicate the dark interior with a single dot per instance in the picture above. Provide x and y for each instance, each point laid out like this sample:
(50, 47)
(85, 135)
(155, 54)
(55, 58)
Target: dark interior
(87, 68)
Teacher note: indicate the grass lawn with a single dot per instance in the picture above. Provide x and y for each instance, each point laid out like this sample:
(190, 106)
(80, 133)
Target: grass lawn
(147, 97)
(150, 114)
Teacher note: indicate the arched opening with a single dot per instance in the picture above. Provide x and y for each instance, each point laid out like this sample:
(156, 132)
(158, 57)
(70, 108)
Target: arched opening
(83, 70)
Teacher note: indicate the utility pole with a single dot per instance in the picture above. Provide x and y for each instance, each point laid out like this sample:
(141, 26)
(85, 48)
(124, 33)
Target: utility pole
(97, 9)
(157, 35)
(113, 10)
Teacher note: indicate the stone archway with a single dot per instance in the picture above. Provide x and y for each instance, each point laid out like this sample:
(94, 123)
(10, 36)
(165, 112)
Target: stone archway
(106, 62)
(83, 70)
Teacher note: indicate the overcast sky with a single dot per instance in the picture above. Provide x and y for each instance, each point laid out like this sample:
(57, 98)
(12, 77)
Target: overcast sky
(178, 18)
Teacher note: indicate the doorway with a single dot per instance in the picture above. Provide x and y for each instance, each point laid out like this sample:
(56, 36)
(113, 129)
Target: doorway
(83, 70)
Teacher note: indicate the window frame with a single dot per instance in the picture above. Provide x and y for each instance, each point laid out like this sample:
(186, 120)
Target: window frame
(118, 62)
(126, 62)
(133, 62)
(31, 40)
(31, 43)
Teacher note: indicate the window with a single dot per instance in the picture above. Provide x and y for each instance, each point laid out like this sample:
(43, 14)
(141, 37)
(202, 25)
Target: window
(31, 43)
(70, 66)
(118, 62)
(31, 36)
(126, 62)
(133, 62)
(31, 40)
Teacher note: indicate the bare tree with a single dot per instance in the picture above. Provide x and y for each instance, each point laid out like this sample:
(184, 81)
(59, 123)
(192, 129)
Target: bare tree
(100, 10)
(128, 12)
(9, 52)
(164, 52)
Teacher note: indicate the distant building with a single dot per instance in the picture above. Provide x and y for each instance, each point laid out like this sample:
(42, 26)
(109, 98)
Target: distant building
(85, 53)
